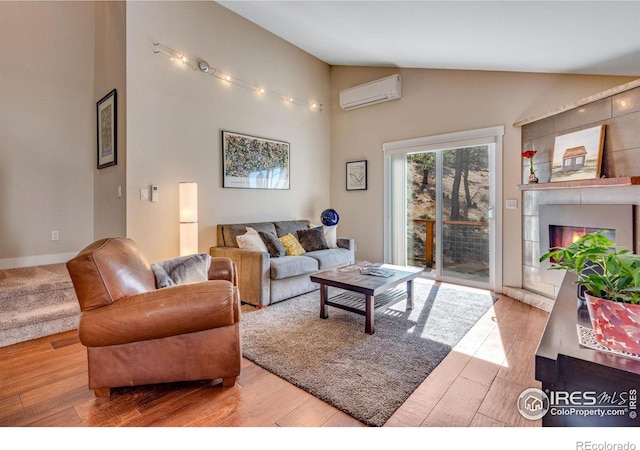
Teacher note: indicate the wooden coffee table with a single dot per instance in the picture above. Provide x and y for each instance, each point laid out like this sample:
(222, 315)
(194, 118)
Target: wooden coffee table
(365, 294)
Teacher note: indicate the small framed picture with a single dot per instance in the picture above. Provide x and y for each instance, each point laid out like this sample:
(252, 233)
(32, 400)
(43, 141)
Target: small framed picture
(107, 130)
(357, 175)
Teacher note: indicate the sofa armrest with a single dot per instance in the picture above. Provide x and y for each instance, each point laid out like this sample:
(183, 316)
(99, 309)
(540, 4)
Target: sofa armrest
(253, 272)
(171, 311)
(349, 244)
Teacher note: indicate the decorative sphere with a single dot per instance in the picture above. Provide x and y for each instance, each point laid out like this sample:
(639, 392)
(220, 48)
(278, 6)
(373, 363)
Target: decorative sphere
(329, 217)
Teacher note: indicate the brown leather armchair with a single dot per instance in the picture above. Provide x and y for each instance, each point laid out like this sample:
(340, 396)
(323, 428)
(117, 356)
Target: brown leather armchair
(136, 334)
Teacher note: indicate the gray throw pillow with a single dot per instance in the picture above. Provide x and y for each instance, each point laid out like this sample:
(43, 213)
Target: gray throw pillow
(182, 270)
(313, 239)
(274, 246)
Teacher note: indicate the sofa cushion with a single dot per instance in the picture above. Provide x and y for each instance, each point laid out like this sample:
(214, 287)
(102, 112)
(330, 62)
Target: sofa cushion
(312, 239)
(292, 245)
(273, 244)
(290, 226)
(291, 266)
(330, 234)
(231, 231)
(252, 242)
(331, 257)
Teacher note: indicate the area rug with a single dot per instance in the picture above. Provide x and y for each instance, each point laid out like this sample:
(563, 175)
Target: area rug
(366, 376)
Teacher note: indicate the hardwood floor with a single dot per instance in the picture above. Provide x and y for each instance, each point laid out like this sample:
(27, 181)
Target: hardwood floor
(43, 383)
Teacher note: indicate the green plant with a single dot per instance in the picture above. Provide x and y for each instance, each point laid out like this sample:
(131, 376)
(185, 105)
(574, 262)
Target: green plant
(605, 269)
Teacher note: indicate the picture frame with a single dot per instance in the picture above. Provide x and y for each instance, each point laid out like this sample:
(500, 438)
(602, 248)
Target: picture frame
(357, 175)
(107, 130)
(251, 162)
(578, 155)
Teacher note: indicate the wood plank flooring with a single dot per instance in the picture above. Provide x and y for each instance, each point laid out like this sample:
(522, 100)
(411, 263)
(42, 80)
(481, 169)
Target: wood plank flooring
(43, 383)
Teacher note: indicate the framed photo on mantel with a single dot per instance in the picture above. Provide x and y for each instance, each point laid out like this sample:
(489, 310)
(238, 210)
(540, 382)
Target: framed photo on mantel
(578, 155)
(107, 136)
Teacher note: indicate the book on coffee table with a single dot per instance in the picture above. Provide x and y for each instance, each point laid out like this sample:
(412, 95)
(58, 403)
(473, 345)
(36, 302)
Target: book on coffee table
(376, 271)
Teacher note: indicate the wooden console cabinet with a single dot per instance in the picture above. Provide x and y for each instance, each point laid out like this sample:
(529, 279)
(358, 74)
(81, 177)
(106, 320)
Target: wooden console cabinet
(562, 364)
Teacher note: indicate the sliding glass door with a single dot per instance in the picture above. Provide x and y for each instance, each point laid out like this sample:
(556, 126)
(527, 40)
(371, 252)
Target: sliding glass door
(439, 206)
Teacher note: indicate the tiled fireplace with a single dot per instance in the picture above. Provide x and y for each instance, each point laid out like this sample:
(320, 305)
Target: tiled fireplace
(618, 109)
(585, 209)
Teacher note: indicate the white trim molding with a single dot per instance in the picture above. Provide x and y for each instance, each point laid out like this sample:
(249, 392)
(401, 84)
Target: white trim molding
(38, 260)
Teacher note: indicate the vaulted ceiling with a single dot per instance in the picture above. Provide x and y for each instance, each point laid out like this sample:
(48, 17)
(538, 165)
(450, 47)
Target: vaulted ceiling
(579, 37)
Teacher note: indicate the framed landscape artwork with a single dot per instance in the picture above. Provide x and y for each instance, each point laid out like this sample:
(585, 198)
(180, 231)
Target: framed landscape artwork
(357, 175)
(578, 155)
(254, 163)
(107, 130)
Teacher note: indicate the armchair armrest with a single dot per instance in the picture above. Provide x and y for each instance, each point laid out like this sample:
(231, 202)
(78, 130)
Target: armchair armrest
(223, 269)
(171, 311)
(253, 272)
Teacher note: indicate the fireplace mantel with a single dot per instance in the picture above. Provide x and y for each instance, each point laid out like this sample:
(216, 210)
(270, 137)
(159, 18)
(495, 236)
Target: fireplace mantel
(578, 184)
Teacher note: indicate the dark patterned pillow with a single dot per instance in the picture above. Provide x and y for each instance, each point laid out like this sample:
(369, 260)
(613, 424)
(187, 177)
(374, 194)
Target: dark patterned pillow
(313, 239)
(274, 246)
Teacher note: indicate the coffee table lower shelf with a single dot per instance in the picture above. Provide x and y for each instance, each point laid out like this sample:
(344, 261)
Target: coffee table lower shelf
(355, 302)
(365, 294)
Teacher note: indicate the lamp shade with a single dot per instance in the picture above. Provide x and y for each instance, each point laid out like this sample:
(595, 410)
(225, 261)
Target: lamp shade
(188, 238)
(188, 198)
(188, 202)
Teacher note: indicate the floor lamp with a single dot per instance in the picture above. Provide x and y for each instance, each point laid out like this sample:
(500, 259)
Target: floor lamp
(188, 218)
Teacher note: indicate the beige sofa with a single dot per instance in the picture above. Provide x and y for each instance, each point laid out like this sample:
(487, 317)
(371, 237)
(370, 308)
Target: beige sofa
(264, 280)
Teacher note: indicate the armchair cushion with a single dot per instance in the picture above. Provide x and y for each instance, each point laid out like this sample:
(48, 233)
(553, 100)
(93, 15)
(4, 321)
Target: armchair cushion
(182, 270)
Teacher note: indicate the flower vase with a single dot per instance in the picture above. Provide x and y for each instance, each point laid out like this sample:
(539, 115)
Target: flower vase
(533, 178)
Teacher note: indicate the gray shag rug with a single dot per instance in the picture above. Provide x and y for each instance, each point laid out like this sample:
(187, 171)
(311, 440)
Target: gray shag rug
(366, 376)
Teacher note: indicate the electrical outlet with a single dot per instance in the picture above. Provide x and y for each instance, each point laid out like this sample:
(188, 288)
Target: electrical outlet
(55, 235)
(511, 204)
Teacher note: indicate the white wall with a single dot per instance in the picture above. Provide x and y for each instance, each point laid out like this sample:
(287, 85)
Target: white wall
(436, 102)
(176, 115)
(47, 130)
(111, 73)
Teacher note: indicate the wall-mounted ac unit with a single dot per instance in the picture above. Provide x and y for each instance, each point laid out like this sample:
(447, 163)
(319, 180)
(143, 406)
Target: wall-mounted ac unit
(382, 90)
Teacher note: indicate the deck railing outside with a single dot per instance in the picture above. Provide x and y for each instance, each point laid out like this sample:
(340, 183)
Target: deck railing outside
(429, 235)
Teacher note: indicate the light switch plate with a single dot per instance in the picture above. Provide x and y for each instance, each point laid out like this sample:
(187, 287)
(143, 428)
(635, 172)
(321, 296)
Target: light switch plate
(511, 204)
(144, 194)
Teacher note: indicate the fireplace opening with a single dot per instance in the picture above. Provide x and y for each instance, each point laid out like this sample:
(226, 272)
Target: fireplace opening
(560, 225)
(563, 235)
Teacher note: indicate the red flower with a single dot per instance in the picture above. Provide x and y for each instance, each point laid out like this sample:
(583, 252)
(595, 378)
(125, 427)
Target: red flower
(529, 154)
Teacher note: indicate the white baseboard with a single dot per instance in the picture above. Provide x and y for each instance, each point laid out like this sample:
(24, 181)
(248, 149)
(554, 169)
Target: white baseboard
(38, 260)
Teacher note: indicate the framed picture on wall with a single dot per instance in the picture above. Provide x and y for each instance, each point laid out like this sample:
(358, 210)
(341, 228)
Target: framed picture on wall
(254, 163)
(578, 155)
(107, 130)
(357, 175)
